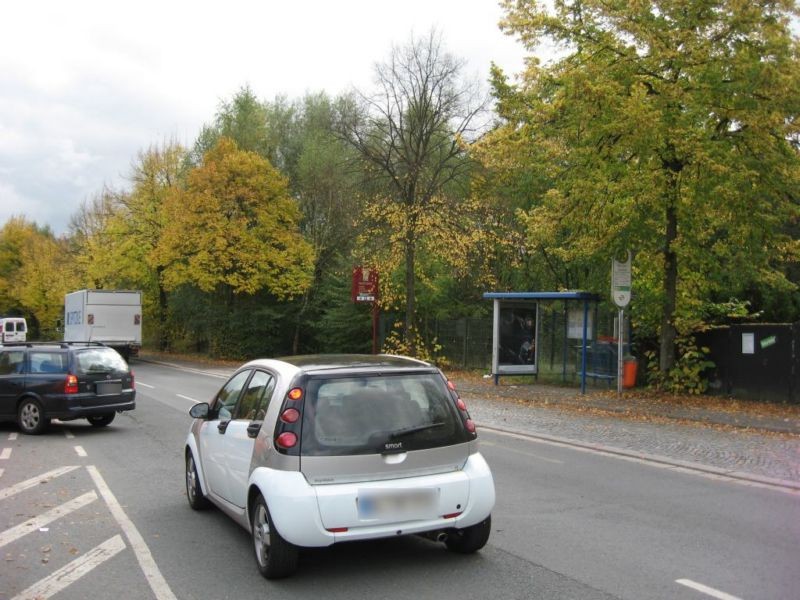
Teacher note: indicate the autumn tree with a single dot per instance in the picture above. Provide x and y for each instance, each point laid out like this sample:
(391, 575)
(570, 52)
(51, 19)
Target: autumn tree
(667, 127)
(234, 229)
(35, 269)
(410, 134)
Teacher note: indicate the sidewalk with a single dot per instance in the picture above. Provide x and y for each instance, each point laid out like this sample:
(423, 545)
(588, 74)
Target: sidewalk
(639, 404)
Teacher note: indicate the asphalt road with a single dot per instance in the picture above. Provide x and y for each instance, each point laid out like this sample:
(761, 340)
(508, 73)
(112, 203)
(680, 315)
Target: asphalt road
(114, 523)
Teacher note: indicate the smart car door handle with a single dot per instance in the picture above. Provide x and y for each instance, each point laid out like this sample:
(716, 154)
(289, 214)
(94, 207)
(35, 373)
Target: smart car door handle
(223, 426)
(253, 429)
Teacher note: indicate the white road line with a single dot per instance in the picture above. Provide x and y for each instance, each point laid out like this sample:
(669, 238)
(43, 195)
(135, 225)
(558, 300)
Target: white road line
(12, 436)
(34, 482)
(1, 472)
(9, 535)
(515, 451)
(187, 398)
(5, 454)
(80, 451)
(154, 577)
(709, 591)
(69, 434)
(70, 573)
(139, 382)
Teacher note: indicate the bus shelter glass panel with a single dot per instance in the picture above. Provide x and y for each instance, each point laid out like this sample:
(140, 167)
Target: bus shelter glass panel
(517, 333)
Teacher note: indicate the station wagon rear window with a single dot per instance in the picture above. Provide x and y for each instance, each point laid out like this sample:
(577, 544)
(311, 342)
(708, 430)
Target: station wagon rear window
(374, 414)
(99, 360)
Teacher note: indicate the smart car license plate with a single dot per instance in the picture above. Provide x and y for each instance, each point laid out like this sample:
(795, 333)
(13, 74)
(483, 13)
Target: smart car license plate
(105, 388)
(397, 505)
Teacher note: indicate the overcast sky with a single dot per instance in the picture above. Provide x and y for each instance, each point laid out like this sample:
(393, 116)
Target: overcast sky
(85, 85)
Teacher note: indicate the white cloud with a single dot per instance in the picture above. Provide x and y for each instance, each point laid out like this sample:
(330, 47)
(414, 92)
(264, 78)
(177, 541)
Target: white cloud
(87, 84)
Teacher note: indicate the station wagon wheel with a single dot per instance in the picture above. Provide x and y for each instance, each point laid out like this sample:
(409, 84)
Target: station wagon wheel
(31, 418)
(470, 539)
(275, 557)
(194, 492)
(101, 420)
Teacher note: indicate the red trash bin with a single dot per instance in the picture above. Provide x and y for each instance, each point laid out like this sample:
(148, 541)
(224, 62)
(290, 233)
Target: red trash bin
(629, 368)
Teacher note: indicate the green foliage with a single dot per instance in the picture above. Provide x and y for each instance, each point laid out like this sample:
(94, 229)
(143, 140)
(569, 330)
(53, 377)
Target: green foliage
(687, 376)
(666, 127)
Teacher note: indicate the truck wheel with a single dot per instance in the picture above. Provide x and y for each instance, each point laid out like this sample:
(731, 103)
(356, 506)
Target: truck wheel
(101, 420)
(31, 418)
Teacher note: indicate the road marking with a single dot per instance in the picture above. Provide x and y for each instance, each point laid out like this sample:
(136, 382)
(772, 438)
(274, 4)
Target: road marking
(12, 436)
(706, 590)
(9, 535)
(1, 472)
(34, 482)
(69, 434)
(187, 398)
(139, 382)
(5, 454)
(154, 577)
(70, 573)
(659, 462)
(514, 450)
(80, 451)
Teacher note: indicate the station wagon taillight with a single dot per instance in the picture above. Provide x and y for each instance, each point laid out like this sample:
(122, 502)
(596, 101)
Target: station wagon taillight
(71, 385)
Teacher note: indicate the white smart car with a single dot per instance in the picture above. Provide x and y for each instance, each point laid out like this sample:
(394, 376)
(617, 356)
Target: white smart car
(313, 450)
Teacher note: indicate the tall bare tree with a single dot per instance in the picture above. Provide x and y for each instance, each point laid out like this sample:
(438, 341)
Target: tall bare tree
(410, 133)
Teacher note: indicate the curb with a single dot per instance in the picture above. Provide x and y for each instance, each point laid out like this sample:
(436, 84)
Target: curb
(672, 416)
(783, 484)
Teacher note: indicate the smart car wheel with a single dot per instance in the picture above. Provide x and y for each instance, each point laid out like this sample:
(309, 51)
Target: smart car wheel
(275, 557)
(31, 418)
(194, 492)
(101, 421)
(470, 539)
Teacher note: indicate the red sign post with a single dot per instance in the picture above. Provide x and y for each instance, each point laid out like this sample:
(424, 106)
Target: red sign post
(365, 289)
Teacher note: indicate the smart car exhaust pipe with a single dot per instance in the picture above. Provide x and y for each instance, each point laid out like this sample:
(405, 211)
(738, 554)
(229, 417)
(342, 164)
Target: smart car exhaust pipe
(441, 537)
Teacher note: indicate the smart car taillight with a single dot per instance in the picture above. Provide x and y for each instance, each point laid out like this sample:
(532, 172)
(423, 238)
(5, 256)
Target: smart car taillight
(133, 382)
(461, 404)
(295, 394)
(71, 385)
(286, 440)
(470, 425)
(290, 415)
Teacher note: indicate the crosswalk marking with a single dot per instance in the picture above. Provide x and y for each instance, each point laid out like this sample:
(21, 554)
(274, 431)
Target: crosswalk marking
(80, 451)
(151, 571)
(69, 435)
(35, 481)
(5, 454)
(12, 436)
(10, 535)
(70, 573)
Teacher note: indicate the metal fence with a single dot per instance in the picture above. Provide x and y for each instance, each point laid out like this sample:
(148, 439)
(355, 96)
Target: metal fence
(466, 343)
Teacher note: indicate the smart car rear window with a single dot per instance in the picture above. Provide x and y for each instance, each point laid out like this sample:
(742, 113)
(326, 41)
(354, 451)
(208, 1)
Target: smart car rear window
(367, 414)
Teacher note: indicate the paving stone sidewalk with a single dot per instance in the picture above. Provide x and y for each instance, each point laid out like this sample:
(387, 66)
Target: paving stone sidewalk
(680, 434)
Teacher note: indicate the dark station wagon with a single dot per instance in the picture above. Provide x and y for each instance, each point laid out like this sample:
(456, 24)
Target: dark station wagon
(66, 381)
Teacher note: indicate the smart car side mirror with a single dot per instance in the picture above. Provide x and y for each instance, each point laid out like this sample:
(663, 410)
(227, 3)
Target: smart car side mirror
(199, 411)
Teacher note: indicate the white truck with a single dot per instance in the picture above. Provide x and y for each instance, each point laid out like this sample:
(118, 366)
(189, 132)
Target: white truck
(113, 317)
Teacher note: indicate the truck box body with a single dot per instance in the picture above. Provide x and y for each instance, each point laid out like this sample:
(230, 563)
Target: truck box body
(108, 316)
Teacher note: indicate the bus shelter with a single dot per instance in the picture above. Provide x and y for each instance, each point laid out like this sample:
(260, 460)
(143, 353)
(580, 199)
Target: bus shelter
(516, 327)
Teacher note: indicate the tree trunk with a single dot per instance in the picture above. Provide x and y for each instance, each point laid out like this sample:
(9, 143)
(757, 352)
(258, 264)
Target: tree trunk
(410, 293)
(668, 331)
(163, 337)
